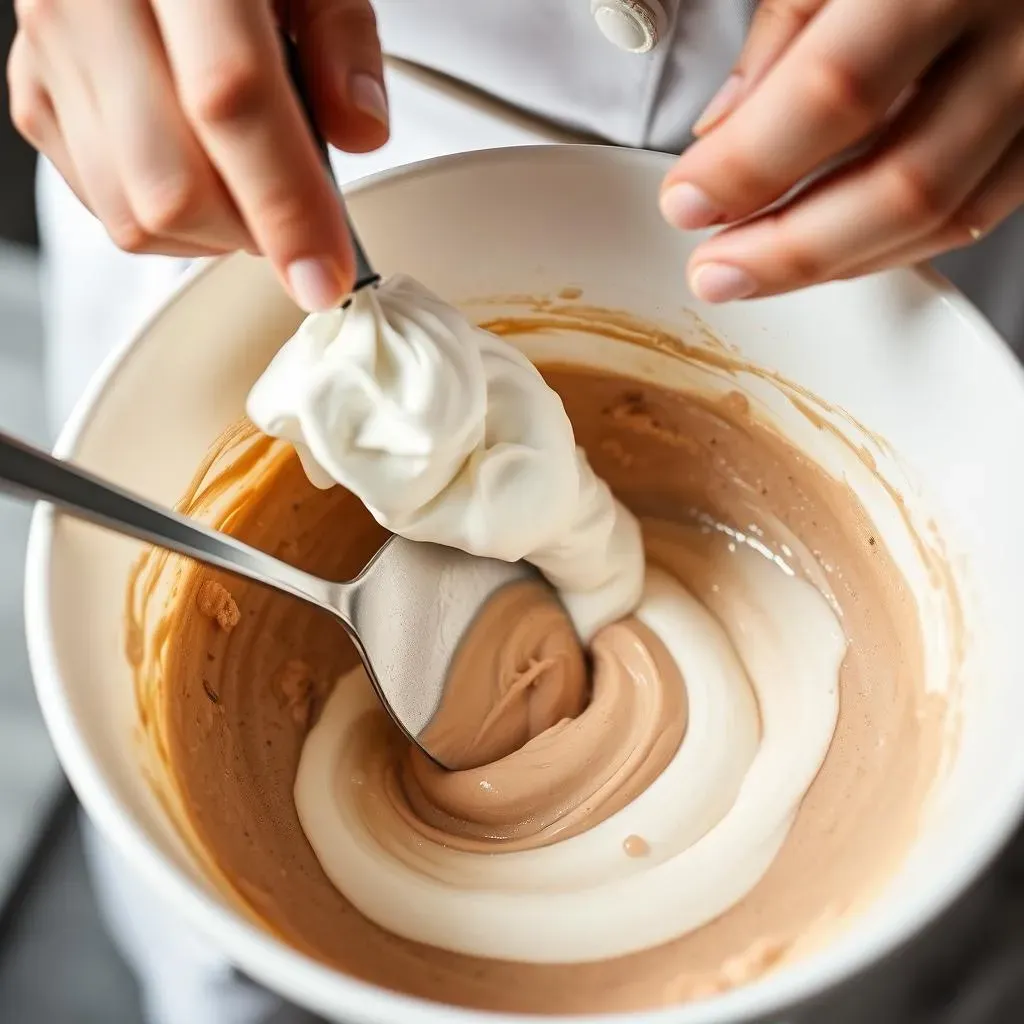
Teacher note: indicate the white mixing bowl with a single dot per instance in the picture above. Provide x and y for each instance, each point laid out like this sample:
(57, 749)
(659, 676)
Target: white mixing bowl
(903, 352)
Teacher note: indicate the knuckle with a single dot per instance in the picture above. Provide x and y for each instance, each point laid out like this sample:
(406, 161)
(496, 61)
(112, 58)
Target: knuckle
(28, 103)
(35, 16)
(165, 207)
(285, 215)
(744, 184)
(916, 196)
(231, 91)
(835, 91)
(128, 234)
(796, 260)
(19, 60)
(28, 112)
(802, 267)
(799, 263)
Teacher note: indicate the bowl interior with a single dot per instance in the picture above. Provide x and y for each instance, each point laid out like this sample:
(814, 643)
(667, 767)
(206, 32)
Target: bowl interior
(901, 352)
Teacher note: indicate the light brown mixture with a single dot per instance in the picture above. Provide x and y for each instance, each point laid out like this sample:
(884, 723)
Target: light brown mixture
(228, 708)
(553, 760)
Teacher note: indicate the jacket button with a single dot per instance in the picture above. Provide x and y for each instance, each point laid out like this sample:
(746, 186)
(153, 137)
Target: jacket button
(632, 25)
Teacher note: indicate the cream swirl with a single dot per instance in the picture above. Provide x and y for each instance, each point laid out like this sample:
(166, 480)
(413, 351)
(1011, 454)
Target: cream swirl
(760, 660)
(447, 433)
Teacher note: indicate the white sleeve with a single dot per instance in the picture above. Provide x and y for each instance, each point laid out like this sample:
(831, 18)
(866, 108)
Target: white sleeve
(93, 294)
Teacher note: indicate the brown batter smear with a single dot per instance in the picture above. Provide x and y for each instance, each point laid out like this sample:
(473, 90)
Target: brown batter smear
(227, 768)
(520, 670)
(593, 763)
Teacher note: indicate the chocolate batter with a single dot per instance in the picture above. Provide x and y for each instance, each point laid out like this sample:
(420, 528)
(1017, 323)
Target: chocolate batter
(231, 676)
(594, 755)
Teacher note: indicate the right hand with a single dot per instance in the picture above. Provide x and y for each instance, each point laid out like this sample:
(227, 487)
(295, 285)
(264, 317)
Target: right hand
(174, 121)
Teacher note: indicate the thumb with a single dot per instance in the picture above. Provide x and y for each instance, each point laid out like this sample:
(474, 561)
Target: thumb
(775, 25)
(344, 70)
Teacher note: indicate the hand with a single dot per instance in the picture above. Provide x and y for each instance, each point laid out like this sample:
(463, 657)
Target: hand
(935, 88)
(174, 121)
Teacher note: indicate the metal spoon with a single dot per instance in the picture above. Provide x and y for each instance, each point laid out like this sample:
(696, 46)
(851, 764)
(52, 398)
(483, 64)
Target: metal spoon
(407, 611)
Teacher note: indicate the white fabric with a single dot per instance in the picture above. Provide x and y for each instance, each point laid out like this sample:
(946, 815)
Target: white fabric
(549, 57)
(546, 57)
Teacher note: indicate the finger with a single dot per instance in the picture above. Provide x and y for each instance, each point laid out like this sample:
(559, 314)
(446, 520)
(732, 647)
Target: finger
(81, 155)
(79, 127)
(230, 75)
(81, 148)
(945, 145)
(1000, 195)
(170, 185)
(775, 25)
(30, 106)
(32, 112)
(831, 87)
(344, 69)
(94, 181)
(31, 109)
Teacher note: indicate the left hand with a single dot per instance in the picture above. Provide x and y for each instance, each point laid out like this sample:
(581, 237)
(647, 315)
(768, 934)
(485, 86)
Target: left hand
(937, 86)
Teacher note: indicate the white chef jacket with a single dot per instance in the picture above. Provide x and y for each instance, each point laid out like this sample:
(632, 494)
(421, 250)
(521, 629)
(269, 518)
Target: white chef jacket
(541, 71)
(552, 76)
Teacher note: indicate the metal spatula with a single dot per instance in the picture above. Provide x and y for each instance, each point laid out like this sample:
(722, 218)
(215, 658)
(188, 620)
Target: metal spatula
(407, 611)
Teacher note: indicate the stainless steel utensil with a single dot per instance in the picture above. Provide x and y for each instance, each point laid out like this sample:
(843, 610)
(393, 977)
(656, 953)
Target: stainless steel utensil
(365, 274)
(407, 611)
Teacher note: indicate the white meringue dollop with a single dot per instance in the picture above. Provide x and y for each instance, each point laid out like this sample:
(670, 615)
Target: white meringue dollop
(448, 434)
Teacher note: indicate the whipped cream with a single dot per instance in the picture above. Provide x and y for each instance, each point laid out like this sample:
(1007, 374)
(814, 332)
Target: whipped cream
(448, 434)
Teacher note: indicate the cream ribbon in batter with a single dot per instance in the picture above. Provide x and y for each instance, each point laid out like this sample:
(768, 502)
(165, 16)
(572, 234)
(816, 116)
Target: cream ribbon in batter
(707, 723)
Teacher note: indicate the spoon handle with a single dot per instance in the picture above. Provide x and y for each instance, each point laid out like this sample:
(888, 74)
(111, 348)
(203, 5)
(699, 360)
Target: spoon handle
(30, 473)
(365, 274)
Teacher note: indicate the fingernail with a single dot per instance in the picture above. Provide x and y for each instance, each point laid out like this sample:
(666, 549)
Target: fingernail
(718, 282)
(367, 95)
(315, 284)
(688, 207)
(720, 104)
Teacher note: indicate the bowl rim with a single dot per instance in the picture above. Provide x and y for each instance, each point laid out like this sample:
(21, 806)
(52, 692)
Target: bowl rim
(289, 971)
